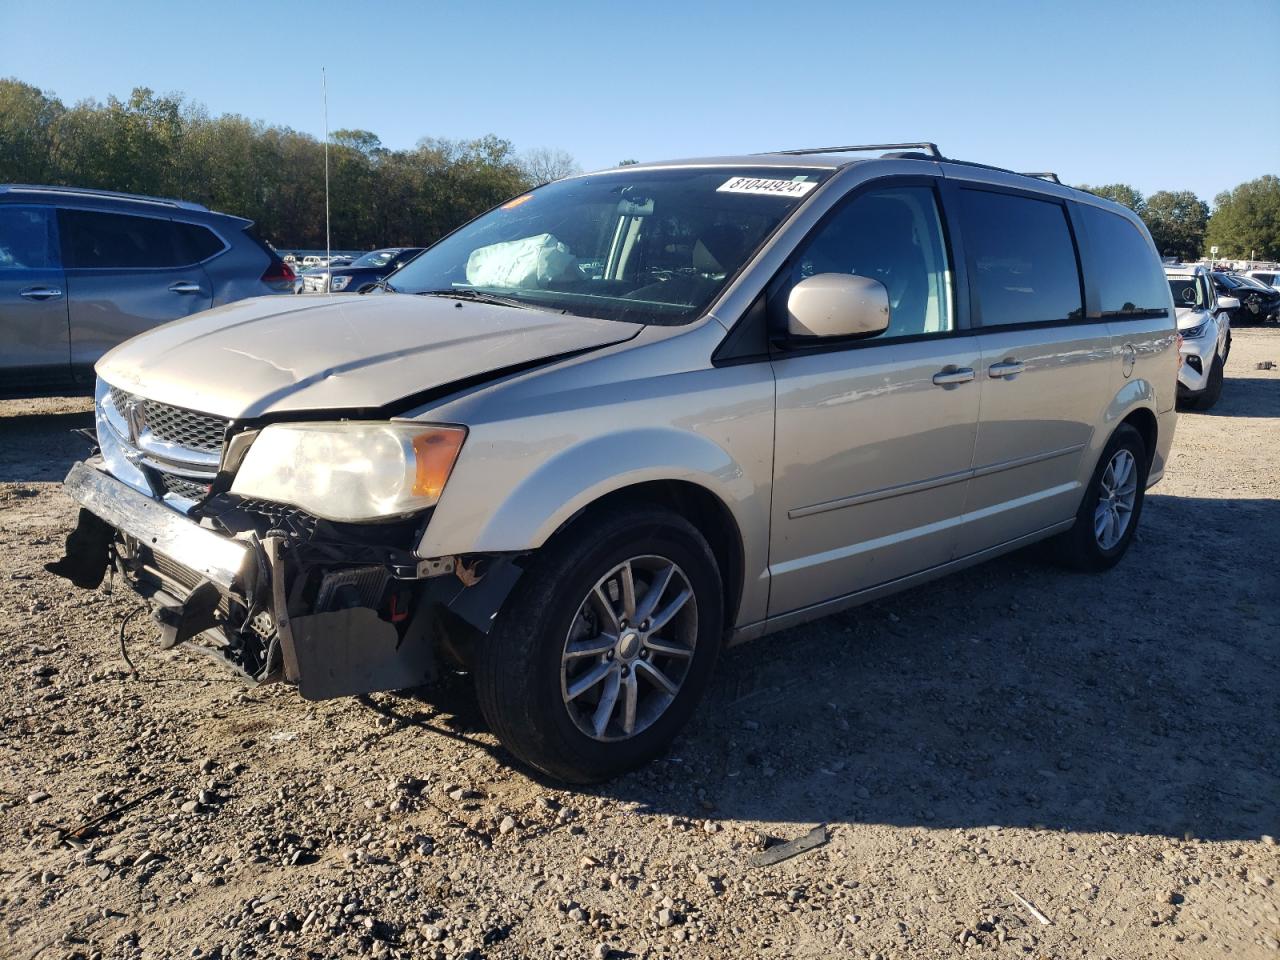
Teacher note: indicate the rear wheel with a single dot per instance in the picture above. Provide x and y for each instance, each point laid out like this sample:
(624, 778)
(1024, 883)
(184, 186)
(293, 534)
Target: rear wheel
(1108, 516)
(604, 649)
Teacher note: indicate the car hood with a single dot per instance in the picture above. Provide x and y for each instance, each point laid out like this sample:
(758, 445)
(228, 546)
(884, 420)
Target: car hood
(288, 354)
(1190, 317)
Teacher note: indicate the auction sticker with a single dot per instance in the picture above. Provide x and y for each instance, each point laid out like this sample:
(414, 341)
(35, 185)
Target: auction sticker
(774, 188)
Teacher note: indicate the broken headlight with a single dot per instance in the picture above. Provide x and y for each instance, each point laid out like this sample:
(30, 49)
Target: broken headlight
(352, 470)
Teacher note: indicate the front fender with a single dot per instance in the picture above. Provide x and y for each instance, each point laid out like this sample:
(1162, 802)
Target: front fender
(579, 475)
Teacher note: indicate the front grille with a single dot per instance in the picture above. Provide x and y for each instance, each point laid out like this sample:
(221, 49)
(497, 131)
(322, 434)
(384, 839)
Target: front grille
(185, 428)
(184, 487)
(169, 438)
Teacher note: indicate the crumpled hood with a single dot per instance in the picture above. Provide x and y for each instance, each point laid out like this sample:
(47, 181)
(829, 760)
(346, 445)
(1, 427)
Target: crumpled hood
(286, 354)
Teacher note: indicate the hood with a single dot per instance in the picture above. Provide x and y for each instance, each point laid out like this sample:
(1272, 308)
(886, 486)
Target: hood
(286, 354)
(1189, 317)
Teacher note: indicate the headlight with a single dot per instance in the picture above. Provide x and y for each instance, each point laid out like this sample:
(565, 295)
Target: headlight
(1193, 333)
(353, 470)
(339, 283)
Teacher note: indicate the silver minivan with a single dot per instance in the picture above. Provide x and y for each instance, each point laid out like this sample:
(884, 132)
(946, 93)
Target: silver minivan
(631, 418)
(83, 270)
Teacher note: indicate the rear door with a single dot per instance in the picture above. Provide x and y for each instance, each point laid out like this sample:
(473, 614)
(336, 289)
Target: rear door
(1046, 369)
(34, 339)
(126, 273)
(874, 438)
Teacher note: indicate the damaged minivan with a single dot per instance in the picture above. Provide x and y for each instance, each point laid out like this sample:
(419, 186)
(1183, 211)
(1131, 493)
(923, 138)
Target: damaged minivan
(628, 419)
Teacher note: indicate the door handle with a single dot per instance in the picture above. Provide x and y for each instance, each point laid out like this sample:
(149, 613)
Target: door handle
(40, 293)
(952, 376)
(1007, 368)
(185, 286)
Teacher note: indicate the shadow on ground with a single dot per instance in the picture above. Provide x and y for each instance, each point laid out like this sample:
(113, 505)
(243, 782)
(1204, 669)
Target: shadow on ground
(1143, 701)
(40, 447)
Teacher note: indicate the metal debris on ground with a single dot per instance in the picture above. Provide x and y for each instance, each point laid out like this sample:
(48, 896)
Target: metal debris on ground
(785, 851)
(1266, 365)
(82, 831)
(1030, 908)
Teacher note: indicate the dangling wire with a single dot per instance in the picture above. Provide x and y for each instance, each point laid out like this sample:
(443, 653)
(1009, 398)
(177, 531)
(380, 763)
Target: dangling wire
(128, 618)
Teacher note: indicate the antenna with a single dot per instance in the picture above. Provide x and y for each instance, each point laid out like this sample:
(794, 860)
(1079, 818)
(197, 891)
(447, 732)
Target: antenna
(328, 246)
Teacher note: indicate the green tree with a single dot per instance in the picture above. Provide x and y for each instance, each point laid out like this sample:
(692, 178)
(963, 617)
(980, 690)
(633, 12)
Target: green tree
(1177, 221)
(1121, 193)
(1246, 220)
(28, 118)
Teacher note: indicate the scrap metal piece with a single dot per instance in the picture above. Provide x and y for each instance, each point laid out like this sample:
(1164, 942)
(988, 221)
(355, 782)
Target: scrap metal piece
(816, 837)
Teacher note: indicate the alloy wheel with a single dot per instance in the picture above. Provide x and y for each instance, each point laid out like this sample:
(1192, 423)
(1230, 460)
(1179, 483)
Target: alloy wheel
(1116, 499)
(629, 648)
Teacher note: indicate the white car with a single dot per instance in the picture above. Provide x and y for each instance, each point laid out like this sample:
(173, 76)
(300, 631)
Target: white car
(1204, 325)
(1270, 277)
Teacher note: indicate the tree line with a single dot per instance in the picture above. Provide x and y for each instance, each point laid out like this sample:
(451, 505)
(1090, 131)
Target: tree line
(168, 146)
(164, 145)
(1244, 224)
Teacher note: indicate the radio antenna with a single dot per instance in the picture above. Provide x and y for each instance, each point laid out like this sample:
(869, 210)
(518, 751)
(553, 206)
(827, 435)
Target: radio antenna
(328, 246)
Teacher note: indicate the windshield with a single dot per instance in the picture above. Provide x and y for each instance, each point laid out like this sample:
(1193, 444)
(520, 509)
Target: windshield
(1187, 292)
(1226, 280)
(647, 246)
(378, 258)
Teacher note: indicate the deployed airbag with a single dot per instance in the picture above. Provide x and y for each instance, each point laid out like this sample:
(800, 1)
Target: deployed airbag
(529, 262)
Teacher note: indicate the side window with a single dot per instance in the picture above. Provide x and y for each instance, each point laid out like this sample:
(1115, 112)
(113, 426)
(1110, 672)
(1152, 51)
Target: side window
(26, 238)
(200, 242)
(1122, 268)
(894, 236)
(1024, 259)
(92, 239)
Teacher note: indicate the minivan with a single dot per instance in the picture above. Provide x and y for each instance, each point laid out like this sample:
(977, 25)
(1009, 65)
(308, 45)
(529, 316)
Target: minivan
(629, 419)
(84, 270)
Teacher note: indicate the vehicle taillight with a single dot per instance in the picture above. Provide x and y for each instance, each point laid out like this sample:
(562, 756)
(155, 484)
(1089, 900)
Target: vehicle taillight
(279, 272)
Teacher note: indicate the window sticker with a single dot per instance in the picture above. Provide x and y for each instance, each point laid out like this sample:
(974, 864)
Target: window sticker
(776, 188)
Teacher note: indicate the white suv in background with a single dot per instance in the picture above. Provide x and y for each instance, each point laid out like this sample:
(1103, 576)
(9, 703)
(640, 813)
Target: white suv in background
(1205, 327)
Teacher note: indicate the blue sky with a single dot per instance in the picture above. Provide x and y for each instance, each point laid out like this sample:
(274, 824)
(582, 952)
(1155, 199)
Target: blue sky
(1151, 93)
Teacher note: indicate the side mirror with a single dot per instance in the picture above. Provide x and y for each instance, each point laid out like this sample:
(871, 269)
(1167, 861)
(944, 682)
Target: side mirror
(1228, 303)
(837, 305)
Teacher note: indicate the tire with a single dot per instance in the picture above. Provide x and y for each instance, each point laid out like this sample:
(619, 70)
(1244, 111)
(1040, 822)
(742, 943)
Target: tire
(527, 671)
(1083, 547)
(1213, 389)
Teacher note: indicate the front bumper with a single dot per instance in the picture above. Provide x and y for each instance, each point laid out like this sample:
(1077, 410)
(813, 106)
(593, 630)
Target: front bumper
(264, 604)
(1197, 361)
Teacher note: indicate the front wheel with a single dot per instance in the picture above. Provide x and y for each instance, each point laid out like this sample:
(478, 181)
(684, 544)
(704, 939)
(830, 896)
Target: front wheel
(605, 647)
(1108, 516)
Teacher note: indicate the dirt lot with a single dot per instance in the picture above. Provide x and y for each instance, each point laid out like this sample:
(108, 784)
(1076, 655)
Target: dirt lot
(1107, 748)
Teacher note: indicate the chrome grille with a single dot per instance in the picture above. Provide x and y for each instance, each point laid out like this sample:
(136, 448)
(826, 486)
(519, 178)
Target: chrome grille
(184, 487)
(186, 428)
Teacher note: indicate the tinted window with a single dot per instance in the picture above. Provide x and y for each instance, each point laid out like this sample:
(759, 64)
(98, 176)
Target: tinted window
(91, 239)
(1122, 269)
(1024, 259)
(26, 238)
(894, 236)
(200, 242)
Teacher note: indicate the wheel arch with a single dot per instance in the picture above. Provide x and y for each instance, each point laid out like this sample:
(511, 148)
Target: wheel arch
(1145, 422)
(708, 513)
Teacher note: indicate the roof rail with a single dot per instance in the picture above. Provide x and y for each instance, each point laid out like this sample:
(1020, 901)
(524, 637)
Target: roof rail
(26, 188)
(1051, 177)
(929, 148)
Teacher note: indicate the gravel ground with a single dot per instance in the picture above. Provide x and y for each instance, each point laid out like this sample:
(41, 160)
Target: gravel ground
(1105, 748)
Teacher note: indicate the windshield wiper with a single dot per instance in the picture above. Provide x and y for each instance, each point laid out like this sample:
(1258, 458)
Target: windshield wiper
(385, 286)
(479, 296)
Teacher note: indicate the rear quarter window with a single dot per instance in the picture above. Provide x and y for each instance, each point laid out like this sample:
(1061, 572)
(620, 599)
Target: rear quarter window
(94, 239)
(200, 243)
(1122, 268)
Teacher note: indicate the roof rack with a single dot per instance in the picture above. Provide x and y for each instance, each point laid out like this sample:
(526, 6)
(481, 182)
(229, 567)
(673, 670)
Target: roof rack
(1051, 177)
(929, 148)
(12, 188)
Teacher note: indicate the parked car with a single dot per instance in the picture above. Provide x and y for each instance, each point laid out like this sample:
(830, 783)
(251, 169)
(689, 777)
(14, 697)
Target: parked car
(83, 270)
(1256, 302)
(1270, 277)
(1204, 324)
(630, 418)
(360, 275)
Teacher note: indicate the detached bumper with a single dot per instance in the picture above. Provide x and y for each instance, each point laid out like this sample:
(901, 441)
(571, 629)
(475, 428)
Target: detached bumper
(216, 558)
(263, 604)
